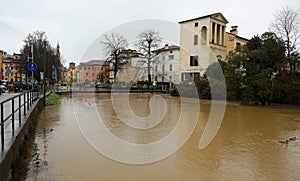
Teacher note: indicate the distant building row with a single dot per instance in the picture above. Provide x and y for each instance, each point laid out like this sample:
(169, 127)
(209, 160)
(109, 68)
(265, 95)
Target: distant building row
(203, 40)
(14, 68)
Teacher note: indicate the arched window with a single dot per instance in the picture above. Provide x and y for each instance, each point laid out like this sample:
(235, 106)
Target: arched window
(171, 68)
(203, 35)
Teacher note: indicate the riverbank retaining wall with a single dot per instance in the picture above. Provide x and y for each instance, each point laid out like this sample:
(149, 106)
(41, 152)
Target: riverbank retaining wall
(9, 157)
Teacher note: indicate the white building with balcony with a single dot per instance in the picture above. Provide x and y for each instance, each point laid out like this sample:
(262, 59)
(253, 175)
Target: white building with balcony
(166, 64)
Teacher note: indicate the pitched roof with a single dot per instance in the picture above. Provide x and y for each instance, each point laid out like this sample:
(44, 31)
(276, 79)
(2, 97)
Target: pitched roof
(207, 16)
(93, 62)
(167, 48)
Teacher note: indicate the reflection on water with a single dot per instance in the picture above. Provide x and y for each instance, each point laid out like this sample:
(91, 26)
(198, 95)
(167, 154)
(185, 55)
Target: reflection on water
(245, 148)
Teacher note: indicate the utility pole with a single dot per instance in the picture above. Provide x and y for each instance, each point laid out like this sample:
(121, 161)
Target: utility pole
(32, 71)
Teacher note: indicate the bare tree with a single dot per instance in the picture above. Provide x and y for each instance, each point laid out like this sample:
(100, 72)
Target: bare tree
(44, 53)
(287, 26)
(114, 46)
(147, 41)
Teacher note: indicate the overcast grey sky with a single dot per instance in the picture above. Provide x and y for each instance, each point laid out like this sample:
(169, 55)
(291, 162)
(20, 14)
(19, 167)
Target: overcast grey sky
(77, 24)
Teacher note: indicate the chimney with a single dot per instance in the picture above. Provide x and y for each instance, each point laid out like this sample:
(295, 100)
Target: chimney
(71, 65)
(234, 30)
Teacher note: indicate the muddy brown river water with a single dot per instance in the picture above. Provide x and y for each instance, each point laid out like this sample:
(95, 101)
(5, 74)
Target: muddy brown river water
(246, 146)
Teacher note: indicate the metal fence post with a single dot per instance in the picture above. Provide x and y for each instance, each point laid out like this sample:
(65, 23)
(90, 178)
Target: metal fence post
(13, 115)
(24, 98)
(28, 100)
(20, 108)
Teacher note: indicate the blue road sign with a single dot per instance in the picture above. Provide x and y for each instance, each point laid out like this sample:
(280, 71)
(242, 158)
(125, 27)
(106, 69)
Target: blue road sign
(8, 71)
(32, 66)
(53, 74)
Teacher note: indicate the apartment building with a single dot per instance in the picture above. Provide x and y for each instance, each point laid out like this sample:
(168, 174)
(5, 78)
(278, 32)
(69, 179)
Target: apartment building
(166, 64)
(92, 70)
(203, 41)
(12, 67)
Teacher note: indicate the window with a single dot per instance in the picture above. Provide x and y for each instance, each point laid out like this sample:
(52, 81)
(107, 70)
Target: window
(170, 68)
(193, 60)
(86, 74)
(170, 78)
(89, 68)
(162, 78)
(171, 51)
(238, 44)
(203, 35)
(163, 68)
(196, 24)
(93, 74)
(155, 68)
(156, 58)
(171, 57)
(190, 76)
(195, 39)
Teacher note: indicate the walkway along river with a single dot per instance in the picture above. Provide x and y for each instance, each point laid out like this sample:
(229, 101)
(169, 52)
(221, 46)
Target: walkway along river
(245, 148)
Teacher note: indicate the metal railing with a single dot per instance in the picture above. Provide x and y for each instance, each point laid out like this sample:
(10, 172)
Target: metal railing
(11, 112)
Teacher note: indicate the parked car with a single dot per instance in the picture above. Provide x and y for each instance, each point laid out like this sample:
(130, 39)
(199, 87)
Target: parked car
(26, 86)
(4, 82)
(18, 87)
(2, 89)
(63, 87)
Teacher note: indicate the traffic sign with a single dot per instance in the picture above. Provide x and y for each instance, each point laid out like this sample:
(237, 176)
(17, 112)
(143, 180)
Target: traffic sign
(8, 71)
(53, 74)
(32, 66)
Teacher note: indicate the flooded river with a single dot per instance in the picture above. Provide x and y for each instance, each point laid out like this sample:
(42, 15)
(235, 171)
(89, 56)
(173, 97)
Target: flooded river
(246, 146)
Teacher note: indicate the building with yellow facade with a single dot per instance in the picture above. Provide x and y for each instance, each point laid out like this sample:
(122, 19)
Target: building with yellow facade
(71, 75)
(203, 41)
(12, 67)
(1, 55)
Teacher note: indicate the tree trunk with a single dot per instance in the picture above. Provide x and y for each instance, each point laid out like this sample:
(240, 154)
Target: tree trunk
(149, 63)
(115, 68)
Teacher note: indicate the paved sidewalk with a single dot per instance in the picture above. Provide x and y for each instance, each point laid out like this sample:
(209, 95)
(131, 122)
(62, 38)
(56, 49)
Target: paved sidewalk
(9, 133)
(7, 95)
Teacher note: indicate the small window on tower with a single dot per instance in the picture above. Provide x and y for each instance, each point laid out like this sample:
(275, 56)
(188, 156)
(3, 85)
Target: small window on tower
(195, 39)
(196, 24)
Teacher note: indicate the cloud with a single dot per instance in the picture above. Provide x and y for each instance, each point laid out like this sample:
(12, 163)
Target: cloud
(76, 24)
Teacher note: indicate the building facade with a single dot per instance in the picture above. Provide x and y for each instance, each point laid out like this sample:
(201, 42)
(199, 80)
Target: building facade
(92, 70)
(203, 41)
(12, 67)
(1, 67)
(166, 64)
(71, 74)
